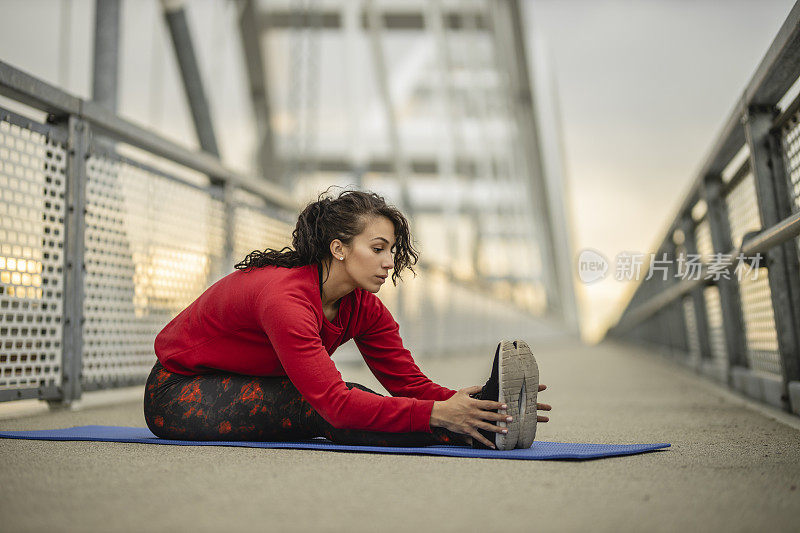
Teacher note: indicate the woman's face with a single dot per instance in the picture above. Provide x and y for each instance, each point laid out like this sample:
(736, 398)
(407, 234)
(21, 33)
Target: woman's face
(369, 258)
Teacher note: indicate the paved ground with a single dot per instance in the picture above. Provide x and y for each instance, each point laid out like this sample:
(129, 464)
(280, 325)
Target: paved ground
(730, 467)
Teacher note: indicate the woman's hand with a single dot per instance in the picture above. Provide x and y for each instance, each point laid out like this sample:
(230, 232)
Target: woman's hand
(462, 414)
(542, 406)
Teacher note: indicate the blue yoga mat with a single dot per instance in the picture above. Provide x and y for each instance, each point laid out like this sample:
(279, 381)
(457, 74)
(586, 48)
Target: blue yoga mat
(539, 450)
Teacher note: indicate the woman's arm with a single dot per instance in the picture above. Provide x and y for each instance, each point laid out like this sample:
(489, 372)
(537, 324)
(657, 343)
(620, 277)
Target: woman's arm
(293, 329)
(382, 348)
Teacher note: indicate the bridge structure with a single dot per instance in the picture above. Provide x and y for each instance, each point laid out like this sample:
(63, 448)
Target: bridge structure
(110, 228)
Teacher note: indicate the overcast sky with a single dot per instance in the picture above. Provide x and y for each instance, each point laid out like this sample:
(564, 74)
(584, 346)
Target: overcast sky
(645, 87)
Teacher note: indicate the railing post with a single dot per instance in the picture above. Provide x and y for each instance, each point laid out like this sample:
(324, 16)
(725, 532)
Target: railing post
(679, 336)
(700, 312)
(74, 264)
(730, 301)
(772, 190)
(230, 228)
(222, 191)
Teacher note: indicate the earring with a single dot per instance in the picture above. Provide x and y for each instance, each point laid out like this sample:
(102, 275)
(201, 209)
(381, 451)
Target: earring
(341, 258)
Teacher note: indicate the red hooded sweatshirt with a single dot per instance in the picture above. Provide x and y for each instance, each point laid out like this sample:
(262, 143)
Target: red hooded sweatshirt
(270, 322)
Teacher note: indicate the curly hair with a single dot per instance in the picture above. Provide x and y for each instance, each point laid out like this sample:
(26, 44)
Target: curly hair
(329, 218)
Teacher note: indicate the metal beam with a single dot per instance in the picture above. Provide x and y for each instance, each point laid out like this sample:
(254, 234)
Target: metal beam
(51, 393)
(698, 299)
(510, 34)
(397, 20)
(485, 165)
(399, 161)
(25, 88)
(732, 318)
(783, 231)
(106, 53)
(175, 17)
(354, 78)
(447, 145)
(250, 34)
(463, 166)
(122, 130)
(778, 69)
(554, 174)
(74, 261)
(678, 339)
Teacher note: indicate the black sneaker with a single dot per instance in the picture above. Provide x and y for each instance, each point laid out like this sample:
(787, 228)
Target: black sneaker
(489, 391)
(515, 382)
(527, 395)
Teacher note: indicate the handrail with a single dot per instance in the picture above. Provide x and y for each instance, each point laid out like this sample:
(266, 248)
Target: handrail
(23, 87)
(781, 232)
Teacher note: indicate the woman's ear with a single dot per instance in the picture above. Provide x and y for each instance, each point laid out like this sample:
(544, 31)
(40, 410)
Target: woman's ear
(337, 249)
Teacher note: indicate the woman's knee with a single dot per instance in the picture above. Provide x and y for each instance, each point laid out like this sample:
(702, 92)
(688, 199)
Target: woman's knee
(161, 407)
(359, 386)
(155, 417)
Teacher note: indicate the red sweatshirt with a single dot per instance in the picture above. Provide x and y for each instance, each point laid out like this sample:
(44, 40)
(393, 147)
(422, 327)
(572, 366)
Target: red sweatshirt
(269, 322)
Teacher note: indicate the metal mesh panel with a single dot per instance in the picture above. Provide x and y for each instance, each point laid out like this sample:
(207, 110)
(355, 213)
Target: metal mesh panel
(759, 324)
(716, 333)
(32, 184)
(743, 213)
(693, 337)
(791, 150)
(255, 230)
(705, 246)
(152, 246)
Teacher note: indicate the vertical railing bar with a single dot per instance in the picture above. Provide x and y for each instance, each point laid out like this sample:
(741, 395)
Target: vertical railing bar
(229, 207)
(730, 302)
(698, 299)
(678, 334)
(769, 173)
(74, 264)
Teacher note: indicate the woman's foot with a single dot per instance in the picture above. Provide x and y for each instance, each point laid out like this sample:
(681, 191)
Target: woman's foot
(515, 382)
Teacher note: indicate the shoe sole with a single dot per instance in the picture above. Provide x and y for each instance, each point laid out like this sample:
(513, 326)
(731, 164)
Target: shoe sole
(528, 412)
(511, 377)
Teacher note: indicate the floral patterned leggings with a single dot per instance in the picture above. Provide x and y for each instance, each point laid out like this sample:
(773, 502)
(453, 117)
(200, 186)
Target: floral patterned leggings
(235, 407)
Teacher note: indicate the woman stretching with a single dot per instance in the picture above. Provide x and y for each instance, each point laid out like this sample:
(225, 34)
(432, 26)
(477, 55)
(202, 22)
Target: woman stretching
(250, 359)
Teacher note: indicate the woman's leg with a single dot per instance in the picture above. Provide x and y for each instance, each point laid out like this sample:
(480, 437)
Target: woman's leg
(378, 438)
(224, 406)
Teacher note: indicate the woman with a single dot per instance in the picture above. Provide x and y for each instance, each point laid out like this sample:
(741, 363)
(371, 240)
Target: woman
(250, 358)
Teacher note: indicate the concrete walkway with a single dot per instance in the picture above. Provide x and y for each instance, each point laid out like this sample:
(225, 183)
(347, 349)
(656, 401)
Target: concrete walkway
(730, 467)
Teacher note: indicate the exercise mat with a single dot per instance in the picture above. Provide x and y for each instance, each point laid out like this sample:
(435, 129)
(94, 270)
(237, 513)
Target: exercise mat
(539, 450)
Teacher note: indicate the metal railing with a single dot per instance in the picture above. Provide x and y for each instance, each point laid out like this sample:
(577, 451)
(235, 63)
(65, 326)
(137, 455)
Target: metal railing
(108, 230)
(737, 316)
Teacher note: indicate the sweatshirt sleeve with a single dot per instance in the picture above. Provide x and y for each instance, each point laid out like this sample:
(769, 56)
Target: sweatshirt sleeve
(293, 329)
(382, 348)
